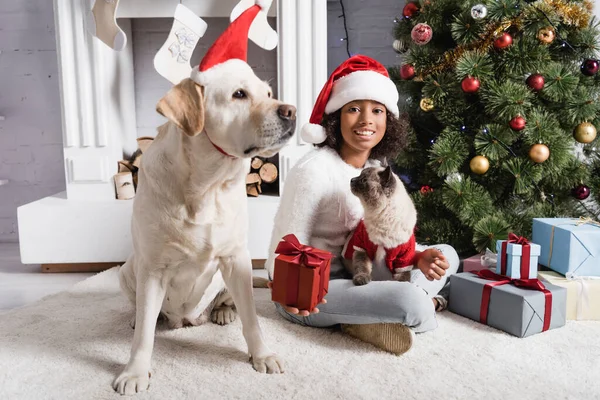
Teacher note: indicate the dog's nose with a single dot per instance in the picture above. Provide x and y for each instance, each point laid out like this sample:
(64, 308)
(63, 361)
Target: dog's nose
(287, 111)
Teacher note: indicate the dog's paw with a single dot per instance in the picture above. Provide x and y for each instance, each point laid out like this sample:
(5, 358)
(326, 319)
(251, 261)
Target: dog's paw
(223, 315)
(132, 381)
(270, 364)
(361, 279)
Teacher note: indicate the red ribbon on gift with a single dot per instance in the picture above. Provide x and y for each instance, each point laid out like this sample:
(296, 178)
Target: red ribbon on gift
(525, 254)
(302, 255)
(532, 284)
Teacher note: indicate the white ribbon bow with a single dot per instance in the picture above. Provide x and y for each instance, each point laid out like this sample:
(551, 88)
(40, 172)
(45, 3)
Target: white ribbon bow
(489, 259)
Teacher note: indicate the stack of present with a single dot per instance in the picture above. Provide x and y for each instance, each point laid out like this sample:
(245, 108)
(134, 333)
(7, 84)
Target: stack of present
(512, 299)
(571, 249)
(301, 274)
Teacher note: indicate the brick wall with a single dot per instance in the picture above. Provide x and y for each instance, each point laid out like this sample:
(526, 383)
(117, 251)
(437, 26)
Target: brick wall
(31, 134)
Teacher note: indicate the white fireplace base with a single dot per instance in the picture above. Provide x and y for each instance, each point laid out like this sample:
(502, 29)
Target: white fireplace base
(58, 230)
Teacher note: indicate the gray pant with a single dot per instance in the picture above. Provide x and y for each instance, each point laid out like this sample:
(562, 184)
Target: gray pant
(381, 300)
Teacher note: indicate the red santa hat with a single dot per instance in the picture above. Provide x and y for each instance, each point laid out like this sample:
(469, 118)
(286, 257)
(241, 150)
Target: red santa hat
(229, 52)
(358, 78)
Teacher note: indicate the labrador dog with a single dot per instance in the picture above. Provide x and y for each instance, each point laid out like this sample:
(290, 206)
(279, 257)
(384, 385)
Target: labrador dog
(190, 259)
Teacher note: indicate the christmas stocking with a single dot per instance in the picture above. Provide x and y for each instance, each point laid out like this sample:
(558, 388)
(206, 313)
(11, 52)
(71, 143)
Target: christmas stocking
(101, 22)
(173, 59)
(260, 32)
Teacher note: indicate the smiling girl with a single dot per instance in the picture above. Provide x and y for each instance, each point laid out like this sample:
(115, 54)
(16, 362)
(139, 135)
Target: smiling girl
(355, 123)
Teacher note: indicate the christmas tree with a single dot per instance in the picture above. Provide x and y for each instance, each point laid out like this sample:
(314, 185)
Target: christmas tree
(503, 98)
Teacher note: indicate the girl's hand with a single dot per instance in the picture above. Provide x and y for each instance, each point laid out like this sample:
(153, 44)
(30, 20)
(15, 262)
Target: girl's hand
(432, 263)
(294, 310)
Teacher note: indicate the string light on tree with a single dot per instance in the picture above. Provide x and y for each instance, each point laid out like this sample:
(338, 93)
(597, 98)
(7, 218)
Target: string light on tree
(503, 41)
(539, 153)
(535, 82)
(518, 123)
(479, 165)
(581, 192)
(421, 34)
(585, 133)
(479, 11)
(470, 84)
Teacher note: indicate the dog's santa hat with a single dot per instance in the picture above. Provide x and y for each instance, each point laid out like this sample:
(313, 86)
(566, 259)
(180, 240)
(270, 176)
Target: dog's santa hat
(358, 78)
(229, 52)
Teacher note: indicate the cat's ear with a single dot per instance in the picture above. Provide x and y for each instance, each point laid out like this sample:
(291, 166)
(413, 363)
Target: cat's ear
(384, 162)
(387, 177)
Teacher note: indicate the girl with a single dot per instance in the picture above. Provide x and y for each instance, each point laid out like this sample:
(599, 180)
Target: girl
(355, 123)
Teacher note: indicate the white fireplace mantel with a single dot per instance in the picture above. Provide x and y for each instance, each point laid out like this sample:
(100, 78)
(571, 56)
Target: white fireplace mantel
(86, 223)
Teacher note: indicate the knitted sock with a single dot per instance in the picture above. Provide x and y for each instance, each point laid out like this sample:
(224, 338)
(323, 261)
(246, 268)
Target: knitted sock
(102, 23)
(173, 59)
(393, 338)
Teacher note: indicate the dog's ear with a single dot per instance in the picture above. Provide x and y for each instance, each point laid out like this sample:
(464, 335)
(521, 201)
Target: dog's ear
(184, 105)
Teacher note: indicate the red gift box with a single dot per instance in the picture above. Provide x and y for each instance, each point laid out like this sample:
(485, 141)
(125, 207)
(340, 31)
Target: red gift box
(301, 274)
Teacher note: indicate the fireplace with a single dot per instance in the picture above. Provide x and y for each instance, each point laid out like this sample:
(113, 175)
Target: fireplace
(86, 224)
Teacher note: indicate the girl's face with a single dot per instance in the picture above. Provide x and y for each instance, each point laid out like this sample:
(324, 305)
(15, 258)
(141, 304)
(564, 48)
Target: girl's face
(363, 124)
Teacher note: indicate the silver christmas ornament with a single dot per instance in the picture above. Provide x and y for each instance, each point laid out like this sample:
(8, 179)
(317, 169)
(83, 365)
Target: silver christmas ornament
(478, 11)
(400, 46)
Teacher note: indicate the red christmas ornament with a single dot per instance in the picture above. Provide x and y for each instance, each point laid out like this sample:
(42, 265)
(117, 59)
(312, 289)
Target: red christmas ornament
(590, 67)
(517, 123)
(426, 189)
(407, 72)
(535, 82)
(503, 41)
(410, 9)
(470, 84)
(581, 192)
(421, 34)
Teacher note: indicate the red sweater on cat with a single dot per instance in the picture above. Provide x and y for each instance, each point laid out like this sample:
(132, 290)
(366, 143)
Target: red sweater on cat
(399, 257)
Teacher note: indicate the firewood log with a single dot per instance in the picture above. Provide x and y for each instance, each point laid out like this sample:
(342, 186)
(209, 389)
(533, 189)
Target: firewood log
(252, 190)
(256, 163)
(253, 177)
(268, 172)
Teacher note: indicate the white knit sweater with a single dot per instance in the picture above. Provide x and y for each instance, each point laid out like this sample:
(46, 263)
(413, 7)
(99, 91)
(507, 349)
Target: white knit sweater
(317, 205)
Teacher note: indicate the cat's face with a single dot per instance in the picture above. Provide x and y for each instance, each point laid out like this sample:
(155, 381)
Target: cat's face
(374, 185)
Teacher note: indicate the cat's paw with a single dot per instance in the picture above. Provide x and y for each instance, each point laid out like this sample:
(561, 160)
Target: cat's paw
(361, 279)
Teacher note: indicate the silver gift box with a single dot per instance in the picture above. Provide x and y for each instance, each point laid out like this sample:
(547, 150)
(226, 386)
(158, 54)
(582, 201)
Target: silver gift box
(515, 310)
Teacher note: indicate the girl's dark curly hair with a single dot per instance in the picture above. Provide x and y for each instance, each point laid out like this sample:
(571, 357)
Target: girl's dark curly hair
(394, 140)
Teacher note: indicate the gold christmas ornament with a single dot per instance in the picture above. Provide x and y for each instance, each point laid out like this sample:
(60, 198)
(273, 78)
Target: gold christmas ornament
(539, 153)
(546, 35)
(479, 165)
(426, 104)
(585, 133)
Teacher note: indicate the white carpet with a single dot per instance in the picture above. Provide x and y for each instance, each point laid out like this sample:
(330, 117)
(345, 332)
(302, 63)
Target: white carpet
(71, 345)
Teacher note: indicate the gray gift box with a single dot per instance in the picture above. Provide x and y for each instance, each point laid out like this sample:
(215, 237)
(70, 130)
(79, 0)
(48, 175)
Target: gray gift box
(515, 310)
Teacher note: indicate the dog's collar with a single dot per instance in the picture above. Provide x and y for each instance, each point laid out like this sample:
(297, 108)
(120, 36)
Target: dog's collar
(218, 148)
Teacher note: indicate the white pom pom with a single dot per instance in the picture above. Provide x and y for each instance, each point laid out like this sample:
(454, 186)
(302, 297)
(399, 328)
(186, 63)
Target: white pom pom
(264, 4)
(313, 133)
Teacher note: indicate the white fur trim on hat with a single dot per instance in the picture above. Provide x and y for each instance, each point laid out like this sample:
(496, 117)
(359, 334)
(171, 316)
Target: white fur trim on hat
(364, 85)
(313, 133)
(231, 67)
